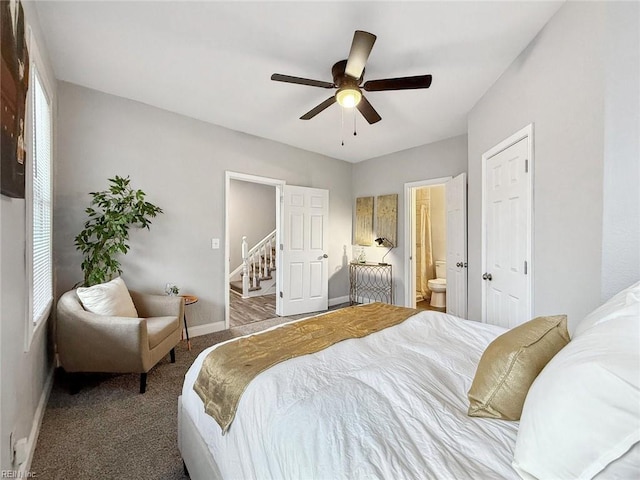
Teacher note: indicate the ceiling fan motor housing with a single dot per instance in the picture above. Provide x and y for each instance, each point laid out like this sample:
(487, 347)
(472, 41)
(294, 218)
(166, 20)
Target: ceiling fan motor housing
(348, 94)
(341, 79)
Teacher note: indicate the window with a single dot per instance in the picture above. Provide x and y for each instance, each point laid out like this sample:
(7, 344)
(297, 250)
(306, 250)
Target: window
(40, 192)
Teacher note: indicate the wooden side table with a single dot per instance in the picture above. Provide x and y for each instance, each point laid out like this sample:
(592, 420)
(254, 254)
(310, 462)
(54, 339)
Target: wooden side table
(188, 300)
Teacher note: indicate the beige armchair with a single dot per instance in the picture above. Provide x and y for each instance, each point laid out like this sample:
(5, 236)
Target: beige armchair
(88, 342)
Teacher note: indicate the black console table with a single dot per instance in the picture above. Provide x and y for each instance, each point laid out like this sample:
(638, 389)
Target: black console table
(370, 282)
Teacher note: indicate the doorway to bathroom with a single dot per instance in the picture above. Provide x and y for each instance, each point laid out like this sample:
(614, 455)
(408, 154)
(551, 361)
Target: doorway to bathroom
(435, 248)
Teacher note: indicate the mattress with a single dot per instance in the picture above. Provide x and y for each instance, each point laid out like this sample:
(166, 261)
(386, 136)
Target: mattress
(390, 405)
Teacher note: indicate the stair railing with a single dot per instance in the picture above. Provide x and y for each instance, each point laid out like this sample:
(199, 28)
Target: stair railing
(245, 268)
(272, 257)
(254, 277)
(260, 257)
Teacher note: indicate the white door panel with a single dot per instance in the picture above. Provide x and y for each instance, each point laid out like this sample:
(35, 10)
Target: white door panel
(456, 195)
(507, 209)
(305, 219)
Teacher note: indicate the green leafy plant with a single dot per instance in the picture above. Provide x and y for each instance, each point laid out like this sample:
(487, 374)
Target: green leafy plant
(112, 213)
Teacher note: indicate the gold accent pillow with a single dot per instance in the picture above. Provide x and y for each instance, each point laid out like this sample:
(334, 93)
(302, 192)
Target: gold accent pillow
(511, 363)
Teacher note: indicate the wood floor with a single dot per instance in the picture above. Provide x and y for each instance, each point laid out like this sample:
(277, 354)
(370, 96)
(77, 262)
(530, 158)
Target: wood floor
(425, 305)
(249, 310)
(255, 309)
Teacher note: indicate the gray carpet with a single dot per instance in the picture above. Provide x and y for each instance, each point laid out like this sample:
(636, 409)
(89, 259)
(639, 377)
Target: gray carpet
(109, 431)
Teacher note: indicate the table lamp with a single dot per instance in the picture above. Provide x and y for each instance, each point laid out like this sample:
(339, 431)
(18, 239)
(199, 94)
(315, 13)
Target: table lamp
(381, 241)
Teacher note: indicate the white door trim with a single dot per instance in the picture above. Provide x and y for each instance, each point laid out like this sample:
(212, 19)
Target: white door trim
(526, 132)
(229, 175)
(410, 236)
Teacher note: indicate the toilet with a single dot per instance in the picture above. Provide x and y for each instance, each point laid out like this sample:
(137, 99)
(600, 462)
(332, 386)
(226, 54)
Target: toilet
(438, 286)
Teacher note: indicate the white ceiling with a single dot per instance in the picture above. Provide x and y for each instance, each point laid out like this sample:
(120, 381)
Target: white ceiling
(213, 61)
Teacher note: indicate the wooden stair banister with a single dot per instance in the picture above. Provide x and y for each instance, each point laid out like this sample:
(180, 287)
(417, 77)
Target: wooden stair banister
(245, 268)
(257, 263)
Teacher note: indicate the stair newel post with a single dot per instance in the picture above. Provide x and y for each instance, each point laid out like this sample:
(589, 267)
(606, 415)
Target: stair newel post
(245, 268)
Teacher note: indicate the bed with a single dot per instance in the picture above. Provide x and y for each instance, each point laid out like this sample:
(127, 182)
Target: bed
(392, 404)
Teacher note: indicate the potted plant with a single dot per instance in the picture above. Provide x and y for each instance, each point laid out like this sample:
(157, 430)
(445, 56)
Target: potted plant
(112, 213)
(171, 289)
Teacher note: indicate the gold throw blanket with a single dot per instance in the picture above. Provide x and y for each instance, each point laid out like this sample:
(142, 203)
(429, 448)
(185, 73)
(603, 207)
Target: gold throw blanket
(228, 369)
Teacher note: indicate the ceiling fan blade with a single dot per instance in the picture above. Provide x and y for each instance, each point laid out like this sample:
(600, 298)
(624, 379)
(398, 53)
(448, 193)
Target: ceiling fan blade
(316, 110)
(301, 81)
(367, 111)
(360, 50)
(402, 83)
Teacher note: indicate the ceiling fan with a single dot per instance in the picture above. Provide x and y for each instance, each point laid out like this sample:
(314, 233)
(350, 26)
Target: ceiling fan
(347, 78)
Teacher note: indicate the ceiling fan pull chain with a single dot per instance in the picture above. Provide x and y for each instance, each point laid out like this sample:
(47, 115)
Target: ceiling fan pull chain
(342, 125)
(354, 123)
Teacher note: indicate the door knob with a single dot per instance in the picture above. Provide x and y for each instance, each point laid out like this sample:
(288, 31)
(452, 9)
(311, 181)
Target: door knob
(487, 276)
(325, 256)
(459, 264)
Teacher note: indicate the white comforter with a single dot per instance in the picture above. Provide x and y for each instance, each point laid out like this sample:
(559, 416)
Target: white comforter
(391, 405)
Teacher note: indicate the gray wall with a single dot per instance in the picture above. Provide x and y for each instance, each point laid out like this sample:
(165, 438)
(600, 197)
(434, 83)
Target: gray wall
(252, 212)
(180, 163)
(388, 174)
(23, 373)
(558, 84)
(621, 191)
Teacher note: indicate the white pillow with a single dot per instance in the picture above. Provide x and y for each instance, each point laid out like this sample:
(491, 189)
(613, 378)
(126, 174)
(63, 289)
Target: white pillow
(583, 410)
(627, 466)
(627, 302)
(111, 299)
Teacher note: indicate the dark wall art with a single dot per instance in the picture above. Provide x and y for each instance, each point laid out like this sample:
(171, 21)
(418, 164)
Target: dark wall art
(14, 84)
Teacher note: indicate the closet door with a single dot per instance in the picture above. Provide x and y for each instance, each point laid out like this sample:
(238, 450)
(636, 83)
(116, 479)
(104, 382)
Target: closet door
(507, 213)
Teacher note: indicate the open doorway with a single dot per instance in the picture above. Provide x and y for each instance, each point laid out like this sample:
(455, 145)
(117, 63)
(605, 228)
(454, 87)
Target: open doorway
(251, 235)
(427, 244)
(435, 252)
(430, 247)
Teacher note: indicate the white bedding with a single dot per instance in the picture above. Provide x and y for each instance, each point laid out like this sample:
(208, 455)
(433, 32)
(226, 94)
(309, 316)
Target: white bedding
(391, 405)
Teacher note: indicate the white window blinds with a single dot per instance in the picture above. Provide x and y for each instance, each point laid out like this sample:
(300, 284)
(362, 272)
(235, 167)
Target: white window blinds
(42, 274)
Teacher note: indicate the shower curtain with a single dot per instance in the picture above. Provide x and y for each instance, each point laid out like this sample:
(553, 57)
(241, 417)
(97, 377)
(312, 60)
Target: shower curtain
(426, 247)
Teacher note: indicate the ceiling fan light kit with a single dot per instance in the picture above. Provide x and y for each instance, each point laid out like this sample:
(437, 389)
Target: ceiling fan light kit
(347, 78)
(348, 97)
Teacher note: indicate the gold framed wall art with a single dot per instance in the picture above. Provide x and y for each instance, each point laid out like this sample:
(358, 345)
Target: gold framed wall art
(363, 234)
(387, 217)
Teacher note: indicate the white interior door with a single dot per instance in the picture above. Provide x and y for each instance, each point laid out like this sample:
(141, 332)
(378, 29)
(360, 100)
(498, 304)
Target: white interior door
(507, 206)
(456, 193)
(303, 247)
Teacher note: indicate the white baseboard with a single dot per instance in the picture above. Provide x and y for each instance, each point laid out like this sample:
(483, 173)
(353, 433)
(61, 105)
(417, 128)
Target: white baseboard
(198, 330)
(35, 427)
(338, 300)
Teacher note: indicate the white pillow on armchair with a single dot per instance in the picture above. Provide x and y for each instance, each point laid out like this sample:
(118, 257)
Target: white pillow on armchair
(109, 299)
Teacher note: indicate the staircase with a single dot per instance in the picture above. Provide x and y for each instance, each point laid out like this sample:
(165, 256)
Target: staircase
(256, 275)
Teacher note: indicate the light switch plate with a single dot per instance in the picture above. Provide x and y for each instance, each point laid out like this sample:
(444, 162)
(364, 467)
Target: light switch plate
(215, 243)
